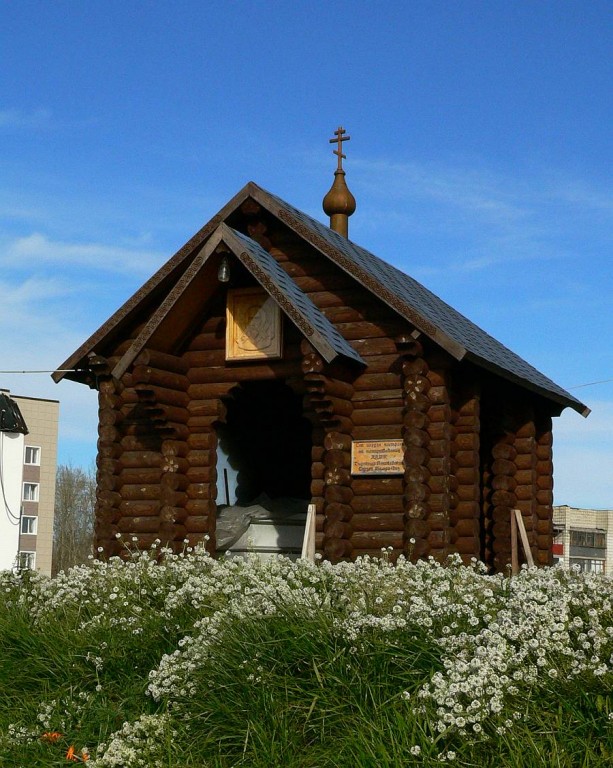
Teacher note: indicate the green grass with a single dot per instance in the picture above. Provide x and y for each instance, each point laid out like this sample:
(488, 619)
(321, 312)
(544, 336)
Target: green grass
(184, 662)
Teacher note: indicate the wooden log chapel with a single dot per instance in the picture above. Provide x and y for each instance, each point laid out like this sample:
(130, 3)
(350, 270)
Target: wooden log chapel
(271, 357)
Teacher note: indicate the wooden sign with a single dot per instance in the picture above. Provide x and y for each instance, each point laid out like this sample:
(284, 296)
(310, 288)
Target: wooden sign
(253, 328)
(377, 457)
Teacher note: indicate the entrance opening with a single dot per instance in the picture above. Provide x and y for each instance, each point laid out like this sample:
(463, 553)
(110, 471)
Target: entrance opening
(263, 470)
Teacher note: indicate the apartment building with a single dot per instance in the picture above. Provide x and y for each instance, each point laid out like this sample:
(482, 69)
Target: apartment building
(583, 538)
(28, 462)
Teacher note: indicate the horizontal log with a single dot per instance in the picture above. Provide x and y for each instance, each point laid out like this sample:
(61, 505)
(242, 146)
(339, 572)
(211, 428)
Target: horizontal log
(544, 482)
(505, 482)
(439, 449)
(467, 459)
(377, 539)
(138, 525)
(527, 430)
(415, 492)
(337, 476)
(395, 402)
(503, 499)
(415, 419)
(503, 467)
(140, 491)
(314, 284)
(146, 374)
(467, 492)
(381, 364)
(337, 511)
(333, 406)
(544, 497)
(201, 474)
(439, 396)
(317, 488)
(139, 476)
(381, 521)
(210, 391)
(210, 339)
(337, 441)
(378, 432)
(379, 486)
(524, 492)
(139, 459)
(416, 456)
(504, 451)
(439, 540)
(525, 461)
(467, 527)
(467, 546)
(524, 445)
(416, 529)
(337, 459)
(198, 524)
(416, 474)
(341, 494)
(342, 297)
(414, 437)
(202, 441)
(202, 490)
(336, 549)
(318, 470)
(439, 465)
(174, 481)
(467, 441)
(544, 467)
(153, 359)
(149, 394)
(376, 381)
(416, 384)
(414, 366)
(442, 483)
(377, 504)
(377, 416)
(200, 506)
(366, 329)
(337, 529)
(252, 372)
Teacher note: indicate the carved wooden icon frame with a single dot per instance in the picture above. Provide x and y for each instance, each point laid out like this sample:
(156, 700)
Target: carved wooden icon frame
(253, 325)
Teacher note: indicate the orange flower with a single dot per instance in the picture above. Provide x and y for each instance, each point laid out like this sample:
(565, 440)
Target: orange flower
(70, 755)
(51, 736)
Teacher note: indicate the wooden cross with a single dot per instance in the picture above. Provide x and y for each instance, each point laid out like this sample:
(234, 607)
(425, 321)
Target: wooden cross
(339, 140)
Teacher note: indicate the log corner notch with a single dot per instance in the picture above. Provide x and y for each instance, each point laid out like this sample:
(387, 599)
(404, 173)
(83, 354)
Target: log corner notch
(328, 397)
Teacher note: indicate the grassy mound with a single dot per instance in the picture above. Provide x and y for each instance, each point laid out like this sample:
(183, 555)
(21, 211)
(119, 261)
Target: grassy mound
(179, 661)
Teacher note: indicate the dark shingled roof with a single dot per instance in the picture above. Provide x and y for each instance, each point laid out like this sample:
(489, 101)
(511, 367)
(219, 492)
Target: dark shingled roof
(292, 300)
(426, 310)
(435, 318)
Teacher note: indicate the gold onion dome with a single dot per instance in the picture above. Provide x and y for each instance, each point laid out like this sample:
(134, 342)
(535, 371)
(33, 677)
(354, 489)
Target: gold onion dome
(339, 203)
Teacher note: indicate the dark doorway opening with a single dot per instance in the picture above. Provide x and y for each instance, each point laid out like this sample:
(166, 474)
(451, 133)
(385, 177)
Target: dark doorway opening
(267, 441)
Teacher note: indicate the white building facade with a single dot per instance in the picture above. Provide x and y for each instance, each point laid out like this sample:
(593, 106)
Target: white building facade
(28, 463)
(584, 538)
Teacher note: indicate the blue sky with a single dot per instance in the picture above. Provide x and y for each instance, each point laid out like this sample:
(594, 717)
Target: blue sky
(480, 158)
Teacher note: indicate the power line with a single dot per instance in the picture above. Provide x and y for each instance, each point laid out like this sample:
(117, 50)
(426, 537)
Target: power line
(591, 384)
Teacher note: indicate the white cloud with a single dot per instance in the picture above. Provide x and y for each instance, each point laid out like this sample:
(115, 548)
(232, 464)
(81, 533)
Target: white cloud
(37, 250)
(17, 118)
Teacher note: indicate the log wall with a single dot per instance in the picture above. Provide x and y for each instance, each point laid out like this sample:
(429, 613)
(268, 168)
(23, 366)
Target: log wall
(474, 447)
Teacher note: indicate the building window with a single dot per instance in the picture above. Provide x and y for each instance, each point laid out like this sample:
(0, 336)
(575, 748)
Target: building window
(32, 455)
(27, 560)
(30, 492)
(588, 565)
(594, 538)
(29, 524)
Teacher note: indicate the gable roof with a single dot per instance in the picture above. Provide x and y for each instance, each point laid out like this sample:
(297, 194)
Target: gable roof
(275, 281)
(434, 317)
